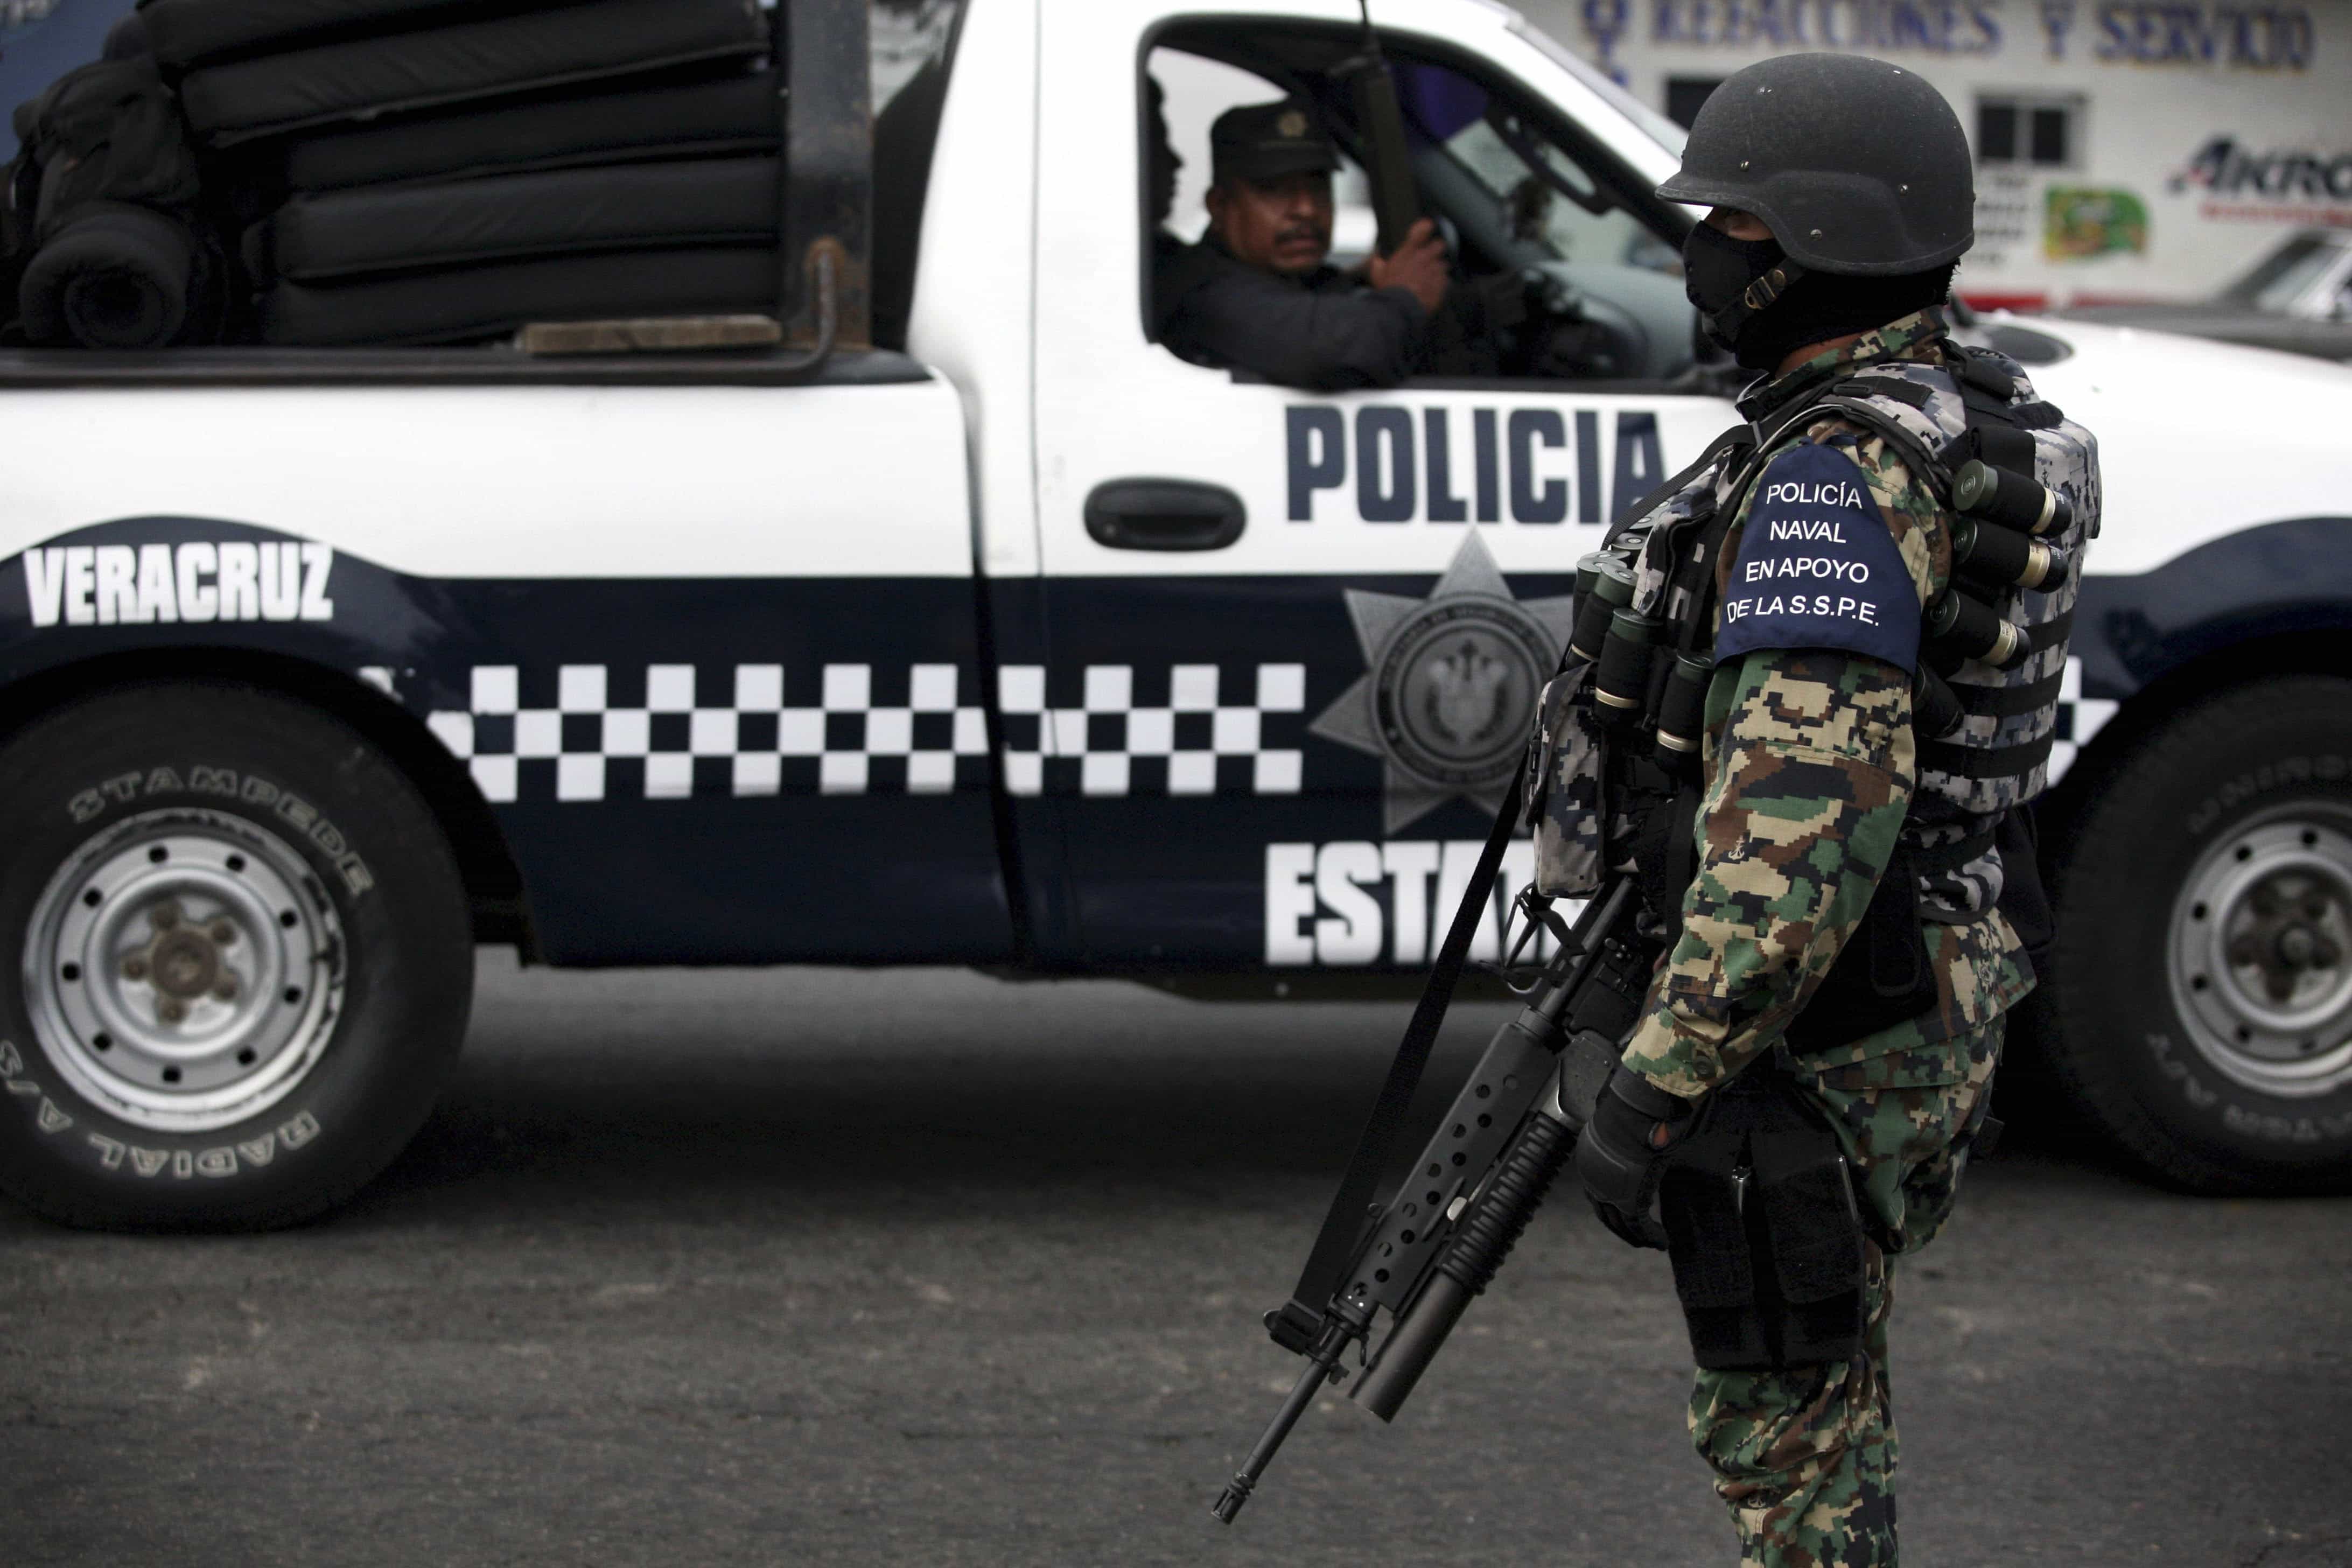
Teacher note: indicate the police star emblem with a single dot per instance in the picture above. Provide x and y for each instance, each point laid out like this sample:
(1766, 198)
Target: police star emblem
(1450, 685)
(1293, 124)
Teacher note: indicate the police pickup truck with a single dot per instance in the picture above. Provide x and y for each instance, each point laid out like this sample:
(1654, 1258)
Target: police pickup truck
(1017, 642)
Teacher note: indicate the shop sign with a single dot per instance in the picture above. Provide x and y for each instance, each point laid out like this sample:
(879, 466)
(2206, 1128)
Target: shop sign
(2194, 33)
(2080, 223)
(2295, 184)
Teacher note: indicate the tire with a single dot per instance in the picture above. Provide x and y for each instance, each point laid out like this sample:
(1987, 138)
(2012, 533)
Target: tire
(239, 961)
(2203, 983)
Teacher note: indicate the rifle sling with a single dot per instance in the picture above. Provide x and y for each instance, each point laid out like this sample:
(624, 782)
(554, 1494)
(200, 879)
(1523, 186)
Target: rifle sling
(1344, 1223)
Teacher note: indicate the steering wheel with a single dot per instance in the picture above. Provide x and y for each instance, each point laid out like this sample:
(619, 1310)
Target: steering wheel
(1578, 335)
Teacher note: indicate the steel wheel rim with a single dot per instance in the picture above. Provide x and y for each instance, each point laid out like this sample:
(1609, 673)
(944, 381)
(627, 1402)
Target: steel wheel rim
(183, 969)
(2260, 953)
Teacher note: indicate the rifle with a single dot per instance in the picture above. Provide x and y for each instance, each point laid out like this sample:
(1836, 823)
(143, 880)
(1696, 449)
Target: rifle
(1437, 1240)
(1396, 199)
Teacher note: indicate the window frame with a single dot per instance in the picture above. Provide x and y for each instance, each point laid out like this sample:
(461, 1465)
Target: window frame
(1624, 186)
(2024, 103)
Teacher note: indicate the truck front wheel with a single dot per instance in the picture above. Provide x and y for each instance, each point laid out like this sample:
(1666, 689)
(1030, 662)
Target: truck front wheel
(2204, 959)
(243, 962)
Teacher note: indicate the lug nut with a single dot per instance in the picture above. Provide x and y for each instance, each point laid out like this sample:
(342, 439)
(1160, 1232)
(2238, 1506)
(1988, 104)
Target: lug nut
(164, 916)
(170, 1011)
(224, 933)
(225, 987)
(134, 968)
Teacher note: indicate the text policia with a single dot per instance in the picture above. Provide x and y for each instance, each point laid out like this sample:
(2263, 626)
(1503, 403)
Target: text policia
(1393, 463)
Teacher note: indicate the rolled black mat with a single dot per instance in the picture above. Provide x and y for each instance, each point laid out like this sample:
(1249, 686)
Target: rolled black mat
(119, 277)
(477, 302)
(477, 59)
(732, 114)
(373, 230)
(198, 32)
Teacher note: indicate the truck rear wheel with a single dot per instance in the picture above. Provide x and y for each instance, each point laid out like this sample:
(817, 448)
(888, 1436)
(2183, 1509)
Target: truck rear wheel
(2204, 959)
(243, 961)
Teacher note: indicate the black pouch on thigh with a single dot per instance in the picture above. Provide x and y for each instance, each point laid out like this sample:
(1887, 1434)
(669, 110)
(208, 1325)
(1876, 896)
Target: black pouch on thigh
(1701, 1198)
(1812, 1235)
(1764, 1233)
(1883, 975)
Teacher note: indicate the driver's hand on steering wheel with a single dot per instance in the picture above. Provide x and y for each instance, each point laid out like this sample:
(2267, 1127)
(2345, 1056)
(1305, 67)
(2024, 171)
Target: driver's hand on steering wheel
(1417, 265)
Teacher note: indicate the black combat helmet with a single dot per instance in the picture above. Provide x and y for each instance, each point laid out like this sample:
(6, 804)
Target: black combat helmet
(1858, 166)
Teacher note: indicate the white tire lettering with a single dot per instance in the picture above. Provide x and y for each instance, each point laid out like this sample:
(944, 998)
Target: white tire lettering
(51, 1119)
(300, 813)
(110, 1150)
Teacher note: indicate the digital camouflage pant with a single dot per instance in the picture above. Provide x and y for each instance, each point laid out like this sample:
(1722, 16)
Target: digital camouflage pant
(1804, 1457)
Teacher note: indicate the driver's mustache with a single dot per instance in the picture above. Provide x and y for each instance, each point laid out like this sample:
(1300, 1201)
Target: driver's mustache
(1298, 231)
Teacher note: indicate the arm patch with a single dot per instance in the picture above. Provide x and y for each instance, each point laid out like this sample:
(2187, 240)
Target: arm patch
(1817, 567)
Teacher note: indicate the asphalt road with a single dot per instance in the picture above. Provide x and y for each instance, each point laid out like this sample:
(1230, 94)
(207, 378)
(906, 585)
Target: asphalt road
(804, 1267)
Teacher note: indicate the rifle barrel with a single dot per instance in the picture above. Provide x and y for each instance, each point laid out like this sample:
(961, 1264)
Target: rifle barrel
(1237, 1490)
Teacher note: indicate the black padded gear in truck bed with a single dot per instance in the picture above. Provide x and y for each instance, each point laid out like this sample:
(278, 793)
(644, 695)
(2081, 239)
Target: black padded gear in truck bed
(480, 302)
(343, 234)
(738, 114)
(186, 33)
(405, 71)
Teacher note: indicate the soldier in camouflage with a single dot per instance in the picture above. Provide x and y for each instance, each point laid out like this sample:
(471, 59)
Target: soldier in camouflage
(1813, 780)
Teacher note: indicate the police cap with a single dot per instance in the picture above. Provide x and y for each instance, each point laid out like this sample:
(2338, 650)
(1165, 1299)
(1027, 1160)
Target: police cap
(1262, 141)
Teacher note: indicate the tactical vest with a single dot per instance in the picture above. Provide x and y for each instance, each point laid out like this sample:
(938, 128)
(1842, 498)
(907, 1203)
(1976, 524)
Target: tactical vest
(1619, 729)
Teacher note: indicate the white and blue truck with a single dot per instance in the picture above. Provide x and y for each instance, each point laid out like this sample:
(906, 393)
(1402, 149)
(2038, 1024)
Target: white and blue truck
(1003, 637)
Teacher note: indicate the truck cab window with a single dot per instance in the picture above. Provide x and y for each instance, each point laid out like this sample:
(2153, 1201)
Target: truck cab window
(1607, 276)
(1554, 268)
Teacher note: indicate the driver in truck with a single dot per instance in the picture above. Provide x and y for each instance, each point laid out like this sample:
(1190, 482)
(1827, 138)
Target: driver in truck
(1257, 294)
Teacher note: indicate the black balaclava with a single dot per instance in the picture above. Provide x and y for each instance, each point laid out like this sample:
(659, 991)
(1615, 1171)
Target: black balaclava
(1814, 308)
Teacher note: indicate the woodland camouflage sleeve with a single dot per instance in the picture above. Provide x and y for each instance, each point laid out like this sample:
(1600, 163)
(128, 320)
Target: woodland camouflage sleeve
(1811, 775)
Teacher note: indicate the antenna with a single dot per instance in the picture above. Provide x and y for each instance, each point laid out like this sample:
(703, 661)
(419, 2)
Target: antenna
(1396, 199)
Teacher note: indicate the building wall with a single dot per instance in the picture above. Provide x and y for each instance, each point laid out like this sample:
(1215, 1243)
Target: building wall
(2181, 139)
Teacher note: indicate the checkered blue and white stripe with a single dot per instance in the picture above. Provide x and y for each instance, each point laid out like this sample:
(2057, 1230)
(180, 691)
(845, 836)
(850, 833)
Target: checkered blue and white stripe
(670, 735)
(666, 739)
(1178, 732)
(2080, 717)
(1175, 730)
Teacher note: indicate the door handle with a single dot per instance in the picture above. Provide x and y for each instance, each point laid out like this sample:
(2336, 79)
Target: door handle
(1164, 514)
